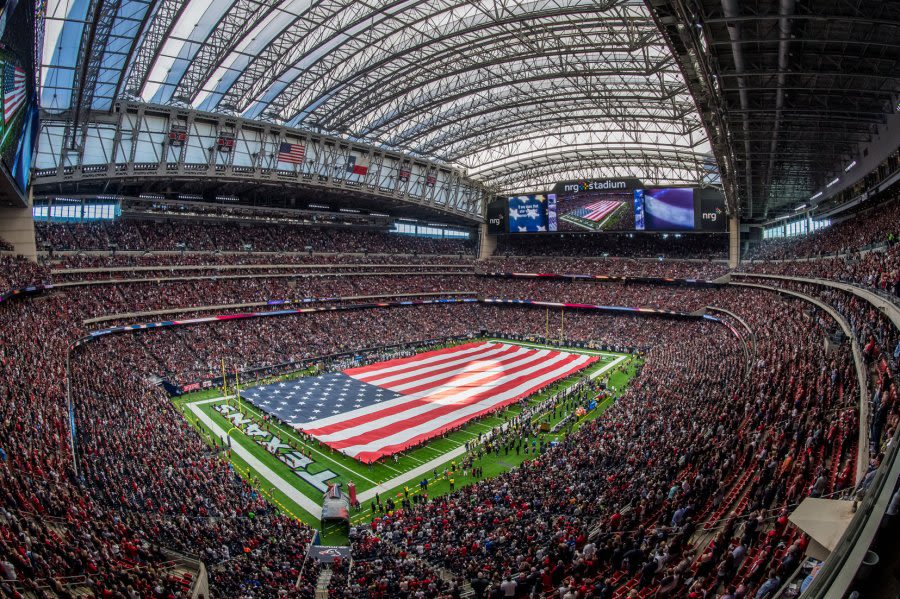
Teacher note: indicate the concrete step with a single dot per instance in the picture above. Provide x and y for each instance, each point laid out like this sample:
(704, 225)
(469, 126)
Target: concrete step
(322, 583)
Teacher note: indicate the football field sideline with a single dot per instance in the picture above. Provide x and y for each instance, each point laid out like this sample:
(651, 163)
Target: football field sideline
(302, 500)
(250, 435)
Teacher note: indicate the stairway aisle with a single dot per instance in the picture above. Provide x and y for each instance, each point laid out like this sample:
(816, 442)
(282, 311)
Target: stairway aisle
(322, 583)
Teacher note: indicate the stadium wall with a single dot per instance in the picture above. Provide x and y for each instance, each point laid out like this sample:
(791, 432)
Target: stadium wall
(17, 228)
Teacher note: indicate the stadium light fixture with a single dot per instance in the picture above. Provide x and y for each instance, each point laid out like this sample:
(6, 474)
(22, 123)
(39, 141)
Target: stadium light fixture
(818, 195)
(320, 206)
(849, 166)
(349, 210)
(800, 207)
(833, 181)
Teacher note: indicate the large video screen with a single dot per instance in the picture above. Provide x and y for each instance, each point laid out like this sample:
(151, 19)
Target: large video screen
(664, 209)
(596, 211)
(650, 209)
(19, 119)
(532, 213)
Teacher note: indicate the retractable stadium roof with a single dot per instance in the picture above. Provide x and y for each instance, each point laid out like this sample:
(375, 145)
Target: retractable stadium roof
(790, 90)
(519, 93)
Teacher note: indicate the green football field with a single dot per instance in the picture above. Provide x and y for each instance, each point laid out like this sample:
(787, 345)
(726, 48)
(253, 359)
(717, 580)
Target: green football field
(592, 225)
(292, 472)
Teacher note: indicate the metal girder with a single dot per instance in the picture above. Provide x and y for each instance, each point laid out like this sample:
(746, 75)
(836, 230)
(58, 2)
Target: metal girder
(800, 17)
(473, 136)
(131, 147)
(540, 170)
(417, 105)
(439, 79)
(794, 88)
(490, 41)
(244, 15)
(307, 33)
(395, 33)
(152, 38)
(94, 39)
(372, 85)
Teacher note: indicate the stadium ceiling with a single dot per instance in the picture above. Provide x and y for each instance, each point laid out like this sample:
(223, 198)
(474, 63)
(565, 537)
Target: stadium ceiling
(518, 93)
(789, 90)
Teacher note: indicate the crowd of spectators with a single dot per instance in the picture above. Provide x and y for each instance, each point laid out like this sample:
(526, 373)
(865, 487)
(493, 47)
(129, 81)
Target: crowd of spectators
(17, 272)
(611, 267)
(706, 246)
(878, 269)
(871, 226)
(682, 486)
(879, 341)
(116, 302)
(381, 570)
(198, 504)
(607, 510)
(191, 354)
(139, 235)
(146, 481)
(164, 262)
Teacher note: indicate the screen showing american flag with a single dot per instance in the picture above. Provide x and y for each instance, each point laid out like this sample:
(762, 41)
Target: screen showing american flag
(378, 410)
(291, 153)
(14, 91)
(597, 211)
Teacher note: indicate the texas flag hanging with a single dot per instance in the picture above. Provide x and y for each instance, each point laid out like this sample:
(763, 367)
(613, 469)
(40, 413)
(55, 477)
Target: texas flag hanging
(358, 165)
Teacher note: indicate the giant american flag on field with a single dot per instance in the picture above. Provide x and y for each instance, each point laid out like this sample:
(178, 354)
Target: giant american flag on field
(377, 410)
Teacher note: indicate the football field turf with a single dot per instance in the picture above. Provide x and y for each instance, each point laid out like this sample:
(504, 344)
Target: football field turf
(292, 470)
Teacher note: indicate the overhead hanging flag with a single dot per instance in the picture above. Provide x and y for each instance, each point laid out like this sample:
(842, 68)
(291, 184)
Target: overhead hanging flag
(358, 165)
(292, 153)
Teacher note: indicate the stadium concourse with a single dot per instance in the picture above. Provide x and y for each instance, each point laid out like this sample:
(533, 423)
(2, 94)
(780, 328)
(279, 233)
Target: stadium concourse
(682, 487)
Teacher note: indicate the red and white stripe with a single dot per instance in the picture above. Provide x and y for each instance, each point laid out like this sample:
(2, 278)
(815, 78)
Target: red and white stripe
(441, 390)
(14, 97)
(600, 210)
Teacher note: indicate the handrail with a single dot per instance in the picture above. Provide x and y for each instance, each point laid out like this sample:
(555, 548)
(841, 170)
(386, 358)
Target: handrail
(305, 301)
(743, 323)
(139, 253)
(602, 258)
(279, 266)
(877, 246)
(278, 275)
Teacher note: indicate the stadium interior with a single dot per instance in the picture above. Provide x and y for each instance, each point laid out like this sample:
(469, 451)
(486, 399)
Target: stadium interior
(492, 299)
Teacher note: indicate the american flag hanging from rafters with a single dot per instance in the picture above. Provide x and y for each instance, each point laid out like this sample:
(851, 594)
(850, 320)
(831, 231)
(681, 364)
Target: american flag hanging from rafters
(381, 409)
(291, 153)
(14, 91)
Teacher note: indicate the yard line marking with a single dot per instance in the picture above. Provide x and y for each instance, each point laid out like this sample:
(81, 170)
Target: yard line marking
(295, 438)
(267, 473)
